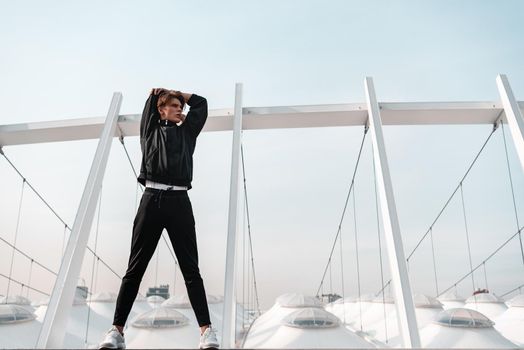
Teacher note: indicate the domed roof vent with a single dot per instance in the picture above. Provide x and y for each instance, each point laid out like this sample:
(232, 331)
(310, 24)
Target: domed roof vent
(311, 317)
(12, 313)
(462, 317)
(161, 317)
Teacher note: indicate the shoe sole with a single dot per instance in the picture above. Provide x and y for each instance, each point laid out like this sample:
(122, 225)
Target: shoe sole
(212, 347)
(111, 348)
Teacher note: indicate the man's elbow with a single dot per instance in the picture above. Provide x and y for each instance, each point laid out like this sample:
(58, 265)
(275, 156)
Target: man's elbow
(204, 103)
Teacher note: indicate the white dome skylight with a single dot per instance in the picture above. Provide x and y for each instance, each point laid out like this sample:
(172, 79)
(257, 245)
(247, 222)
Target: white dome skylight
(311, 317)
(161, 317)
(12, 313)
(461, 317)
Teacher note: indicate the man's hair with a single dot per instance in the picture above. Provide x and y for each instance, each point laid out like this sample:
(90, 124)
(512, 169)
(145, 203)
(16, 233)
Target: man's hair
(166, 97)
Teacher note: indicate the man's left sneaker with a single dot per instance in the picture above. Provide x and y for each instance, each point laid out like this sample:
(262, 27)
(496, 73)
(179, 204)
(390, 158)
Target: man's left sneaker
(208, 339)
(113, 340)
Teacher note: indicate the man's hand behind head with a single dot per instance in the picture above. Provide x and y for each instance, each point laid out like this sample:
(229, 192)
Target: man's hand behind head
(158, 91)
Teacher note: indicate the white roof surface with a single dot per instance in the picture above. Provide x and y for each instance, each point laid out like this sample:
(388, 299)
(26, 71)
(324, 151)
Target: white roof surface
(272, 328)
(486, 303)
(463, 328)
(160, 317)
(385, 329)
(298, 300)
(283, 327)
(511, 322)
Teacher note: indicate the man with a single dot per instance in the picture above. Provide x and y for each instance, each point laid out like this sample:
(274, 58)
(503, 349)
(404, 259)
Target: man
(167, 139)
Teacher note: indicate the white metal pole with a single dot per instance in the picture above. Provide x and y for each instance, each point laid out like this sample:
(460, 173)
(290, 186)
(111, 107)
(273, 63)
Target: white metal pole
(55, 321)
(513, 115)
(397, 260)
(229, 311)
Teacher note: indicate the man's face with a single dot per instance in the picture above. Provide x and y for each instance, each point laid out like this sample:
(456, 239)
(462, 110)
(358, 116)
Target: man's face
(172, 110)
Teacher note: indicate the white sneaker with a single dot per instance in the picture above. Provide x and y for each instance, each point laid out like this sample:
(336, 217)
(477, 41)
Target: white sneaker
(113, 340)
(208, 339)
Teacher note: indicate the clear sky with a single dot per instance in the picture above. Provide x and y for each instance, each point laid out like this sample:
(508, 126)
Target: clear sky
(63, 60)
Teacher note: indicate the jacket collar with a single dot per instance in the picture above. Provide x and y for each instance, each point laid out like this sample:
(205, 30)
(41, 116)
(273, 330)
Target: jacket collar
(166, 122)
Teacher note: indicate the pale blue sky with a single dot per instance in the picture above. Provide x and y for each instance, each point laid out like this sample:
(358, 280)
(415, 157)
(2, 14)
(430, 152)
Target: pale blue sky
(64, 60)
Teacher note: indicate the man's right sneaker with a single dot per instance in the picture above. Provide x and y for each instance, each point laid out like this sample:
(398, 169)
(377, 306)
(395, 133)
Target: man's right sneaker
(113, 340)
(208, 339)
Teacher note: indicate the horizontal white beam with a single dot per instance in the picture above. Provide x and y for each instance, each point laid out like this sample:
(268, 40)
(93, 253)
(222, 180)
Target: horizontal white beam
(275, 117)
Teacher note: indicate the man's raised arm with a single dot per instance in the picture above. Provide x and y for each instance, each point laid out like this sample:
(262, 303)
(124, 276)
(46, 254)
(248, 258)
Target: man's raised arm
(197, 115)
(150, 116)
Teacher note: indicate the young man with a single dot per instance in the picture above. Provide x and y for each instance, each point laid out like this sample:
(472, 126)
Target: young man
(167, 139)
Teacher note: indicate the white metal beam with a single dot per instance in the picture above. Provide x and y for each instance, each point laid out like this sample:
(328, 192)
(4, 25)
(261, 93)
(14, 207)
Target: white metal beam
(229, 310)
(54, 325)
(513, 115)
(304, 116)
(397, 260)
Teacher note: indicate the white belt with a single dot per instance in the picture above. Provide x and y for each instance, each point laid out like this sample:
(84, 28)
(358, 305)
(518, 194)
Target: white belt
(163, 186)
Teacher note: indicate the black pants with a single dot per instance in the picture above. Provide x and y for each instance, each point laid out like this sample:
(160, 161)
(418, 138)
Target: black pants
(172, 210)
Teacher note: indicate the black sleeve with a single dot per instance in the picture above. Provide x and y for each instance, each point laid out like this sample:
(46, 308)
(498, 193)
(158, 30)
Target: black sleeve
(197, 115)
(150, 117)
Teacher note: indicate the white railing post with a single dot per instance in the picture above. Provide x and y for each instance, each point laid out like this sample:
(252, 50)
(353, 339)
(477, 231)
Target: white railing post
(513, 115)
(57, 314)
(229, 311)
(397, 260)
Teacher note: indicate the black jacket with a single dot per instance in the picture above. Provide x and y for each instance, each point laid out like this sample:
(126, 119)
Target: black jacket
(167, 149)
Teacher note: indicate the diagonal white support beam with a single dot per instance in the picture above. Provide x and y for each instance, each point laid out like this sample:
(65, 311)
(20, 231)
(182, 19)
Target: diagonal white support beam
(229, 311)
(55, 322)
(513, 115)
(397, 260)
